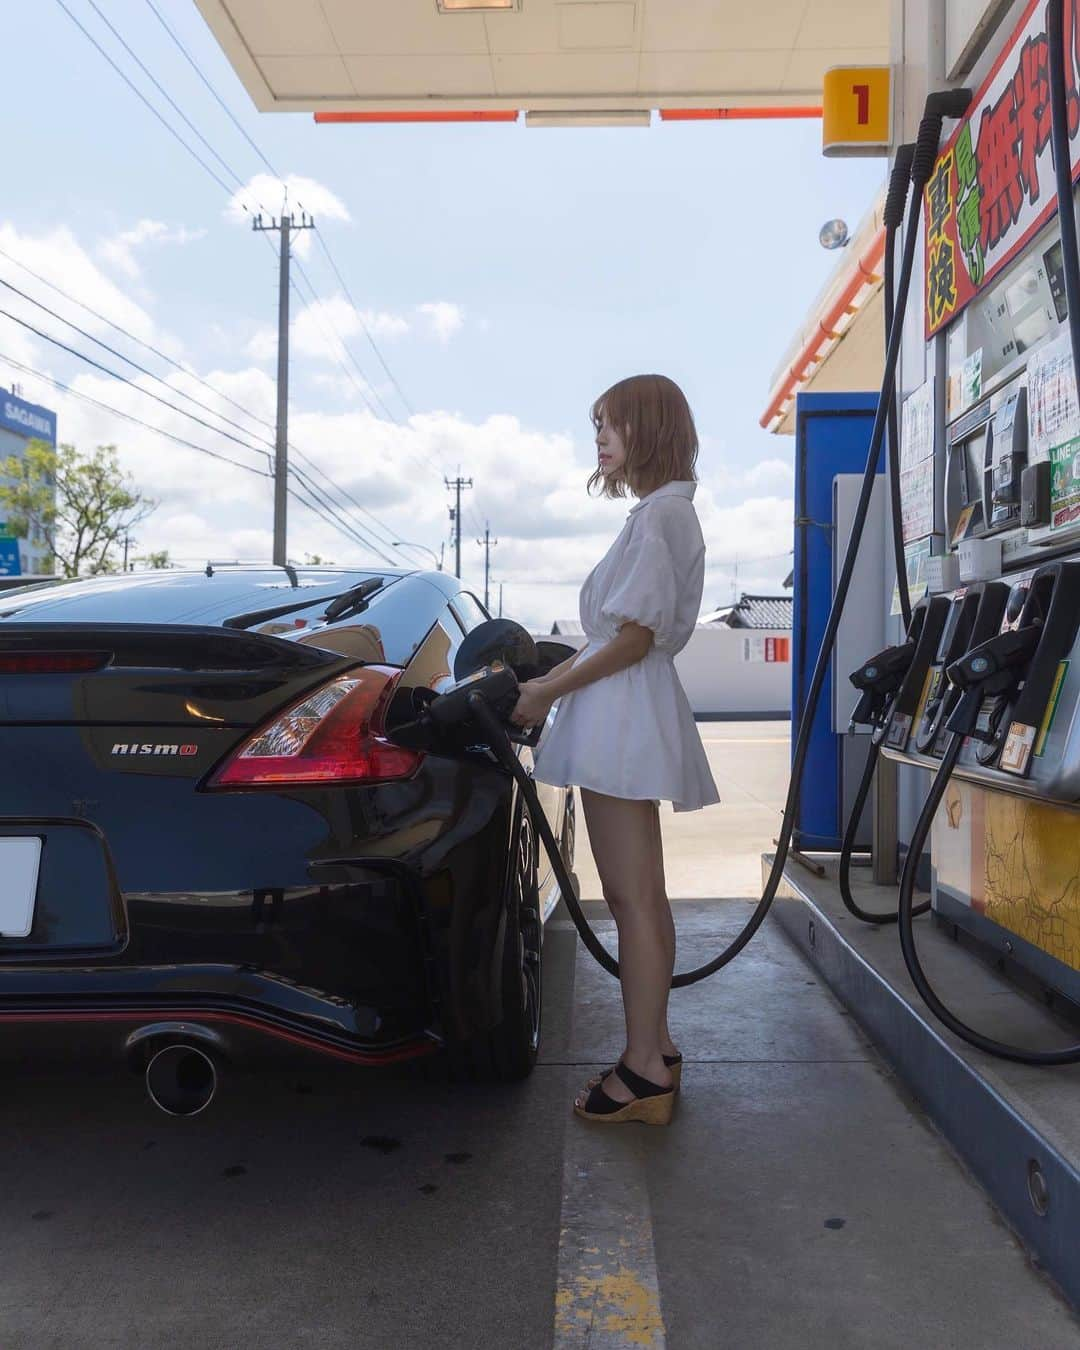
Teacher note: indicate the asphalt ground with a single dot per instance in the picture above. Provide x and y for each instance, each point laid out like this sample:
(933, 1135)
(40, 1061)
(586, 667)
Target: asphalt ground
(797, 1200)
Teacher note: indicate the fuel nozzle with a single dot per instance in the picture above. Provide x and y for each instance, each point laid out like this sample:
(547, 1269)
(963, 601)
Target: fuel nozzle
(993, 667)
(877, 681)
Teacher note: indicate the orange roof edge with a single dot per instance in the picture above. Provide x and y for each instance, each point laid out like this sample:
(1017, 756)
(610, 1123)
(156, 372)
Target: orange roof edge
(736, 114)
(864, 272)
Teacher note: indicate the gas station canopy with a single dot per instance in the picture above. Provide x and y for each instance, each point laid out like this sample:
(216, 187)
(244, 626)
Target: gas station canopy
(583, 61)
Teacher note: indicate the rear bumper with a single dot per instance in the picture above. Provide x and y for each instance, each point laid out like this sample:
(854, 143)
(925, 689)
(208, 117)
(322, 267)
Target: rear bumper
(118, 1020)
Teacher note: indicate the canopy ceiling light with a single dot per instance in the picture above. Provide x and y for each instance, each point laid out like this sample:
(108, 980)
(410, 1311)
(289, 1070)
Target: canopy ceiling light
(833, 234)
(456, 6)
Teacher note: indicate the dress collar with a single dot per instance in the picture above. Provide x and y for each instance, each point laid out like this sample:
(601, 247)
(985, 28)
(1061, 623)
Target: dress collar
(676, 488)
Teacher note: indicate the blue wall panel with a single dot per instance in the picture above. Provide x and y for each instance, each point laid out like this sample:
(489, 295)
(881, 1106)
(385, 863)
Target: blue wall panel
(832, 436)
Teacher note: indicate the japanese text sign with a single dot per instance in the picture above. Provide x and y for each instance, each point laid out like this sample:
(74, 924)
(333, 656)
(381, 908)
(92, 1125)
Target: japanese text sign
(992, 186)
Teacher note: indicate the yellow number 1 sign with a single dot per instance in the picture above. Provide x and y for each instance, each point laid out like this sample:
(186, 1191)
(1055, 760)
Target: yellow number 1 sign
(856, 114)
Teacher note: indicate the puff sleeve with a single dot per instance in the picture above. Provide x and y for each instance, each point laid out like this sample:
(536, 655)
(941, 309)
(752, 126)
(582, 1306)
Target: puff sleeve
(646, 589)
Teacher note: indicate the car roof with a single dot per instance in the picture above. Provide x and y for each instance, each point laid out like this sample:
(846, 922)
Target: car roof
(192, 596)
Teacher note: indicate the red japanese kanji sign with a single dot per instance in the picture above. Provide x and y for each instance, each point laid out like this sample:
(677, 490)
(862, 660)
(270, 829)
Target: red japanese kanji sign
(992, 186)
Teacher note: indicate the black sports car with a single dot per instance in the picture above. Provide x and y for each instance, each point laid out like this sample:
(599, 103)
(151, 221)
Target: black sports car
(210, 838)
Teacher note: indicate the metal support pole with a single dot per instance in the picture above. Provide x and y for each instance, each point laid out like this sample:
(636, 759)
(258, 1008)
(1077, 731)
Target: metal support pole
(281, 436)
(455, 485)
(487, 544)
(284, 226)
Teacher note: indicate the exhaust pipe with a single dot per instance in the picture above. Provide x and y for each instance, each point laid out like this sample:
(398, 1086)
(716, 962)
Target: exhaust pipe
(181, 1079)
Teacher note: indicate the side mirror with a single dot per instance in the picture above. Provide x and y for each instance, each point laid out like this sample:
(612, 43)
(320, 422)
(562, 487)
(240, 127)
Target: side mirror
(552, 654)
(497, 640)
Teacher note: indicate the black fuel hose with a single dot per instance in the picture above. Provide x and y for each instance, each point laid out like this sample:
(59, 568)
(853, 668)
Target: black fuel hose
(893, 218)
(1059, 140)
(948, 103)
(848, 847)
(1068, 1054)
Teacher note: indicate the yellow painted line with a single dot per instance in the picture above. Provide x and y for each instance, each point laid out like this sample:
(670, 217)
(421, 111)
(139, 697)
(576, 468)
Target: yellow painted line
(607, 1294)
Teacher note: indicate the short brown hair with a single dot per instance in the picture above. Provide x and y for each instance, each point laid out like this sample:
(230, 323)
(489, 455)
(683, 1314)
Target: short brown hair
(651, 414)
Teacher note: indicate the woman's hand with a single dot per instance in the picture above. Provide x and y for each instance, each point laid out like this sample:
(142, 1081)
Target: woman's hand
(533, 705)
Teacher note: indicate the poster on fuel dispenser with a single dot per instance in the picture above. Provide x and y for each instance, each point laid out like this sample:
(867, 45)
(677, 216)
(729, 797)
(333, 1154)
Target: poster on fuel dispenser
(992, 186)
(917, 463)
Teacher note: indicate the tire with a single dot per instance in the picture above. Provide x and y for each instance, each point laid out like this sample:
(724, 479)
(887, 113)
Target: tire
(507, 1053)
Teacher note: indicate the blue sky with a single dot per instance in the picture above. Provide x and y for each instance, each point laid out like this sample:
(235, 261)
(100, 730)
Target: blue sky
(509, 275)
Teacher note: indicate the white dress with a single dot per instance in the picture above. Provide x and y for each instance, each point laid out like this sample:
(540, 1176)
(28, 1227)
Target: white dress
(632, 734)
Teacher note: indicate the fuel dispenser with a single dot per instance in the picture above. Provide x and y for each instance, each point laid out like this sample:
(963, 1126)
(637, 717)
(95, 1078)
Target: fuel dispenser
(992, 713)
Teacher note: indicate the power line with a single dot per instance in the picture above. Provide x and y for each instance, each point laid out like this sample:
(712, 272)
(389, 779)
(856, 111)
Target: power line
(129, 417)
(346, 494)
(217, 179)
(140, 342)
(265, 160)
(164, 93)
(134, 364)
(342, 527)
(176, 365)
(221, 102)
(360, 535)
(115, 374)
(320, 306)
(367, 333)
(142, 97)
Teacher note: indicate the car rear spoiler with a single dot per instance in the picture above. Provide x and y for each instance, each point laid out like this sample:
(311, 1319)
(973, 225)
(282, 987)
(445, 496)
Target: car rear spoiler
(170, 646)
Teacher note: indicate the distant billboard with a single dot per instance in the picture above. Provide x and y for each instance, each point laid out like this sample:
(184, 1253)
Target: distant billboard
(27, 419)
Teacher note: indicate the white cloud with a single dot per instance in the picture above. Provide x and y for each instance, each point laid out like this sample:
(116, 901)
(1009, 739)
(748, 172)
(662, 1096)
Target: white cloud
(530, 484)
(262, 345)
(320, 328)
(60, 259)
(120, 249)
(444, 318)
(323, 329)
(770, 475)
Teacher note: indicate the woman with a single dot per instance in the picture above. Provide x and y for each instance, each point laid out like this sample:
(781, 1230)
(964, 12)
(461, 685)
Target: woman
(624, 732)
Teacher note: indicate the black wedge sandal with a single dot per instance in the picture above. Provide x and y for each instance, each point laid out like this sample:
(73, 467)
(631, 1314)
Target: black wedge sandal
(652, 1104)
(672, 1062)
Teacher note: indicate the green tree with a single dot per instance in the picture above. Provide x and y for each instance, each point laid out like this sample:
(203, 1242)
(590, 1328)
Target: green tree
(156, 560)
(317, 559)
(81, 501)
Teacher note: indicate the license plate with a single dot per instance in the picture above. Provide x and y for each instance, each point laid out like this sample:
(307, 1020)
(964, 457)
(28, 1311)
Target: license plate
(20, 860)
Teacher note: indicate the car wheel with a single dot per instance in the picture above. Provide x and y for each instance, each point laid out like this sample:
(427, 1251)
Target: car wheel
(516, 1040)
(508, 1051)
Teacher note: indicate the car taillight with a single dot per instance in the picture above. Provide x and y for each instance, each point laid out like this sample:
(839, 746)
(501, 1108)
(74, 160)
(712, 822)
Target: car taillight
(51, 663)
(332, 735)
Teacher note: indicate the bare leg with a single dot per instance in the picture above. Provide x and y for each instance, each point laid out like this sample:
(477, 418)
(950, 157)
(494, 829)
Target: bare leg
(667, 1045)
(625, 839)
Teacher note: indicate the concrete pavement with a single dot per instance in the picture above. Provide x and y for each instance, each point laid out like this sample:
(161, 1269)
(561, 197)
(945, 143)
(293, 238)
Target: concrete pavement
(798, 1200)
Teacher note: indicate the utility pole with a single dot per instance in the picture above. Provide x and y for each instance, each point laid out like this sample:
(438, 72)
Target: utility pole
(487, 543)
(455, 485)
(500, 599)
(284, 227)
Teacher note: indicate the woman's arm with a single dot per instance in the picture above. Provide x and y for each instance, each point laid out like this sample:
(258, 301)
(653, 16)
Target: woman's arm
(537, 696)
(627, 649)
(558, 670)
